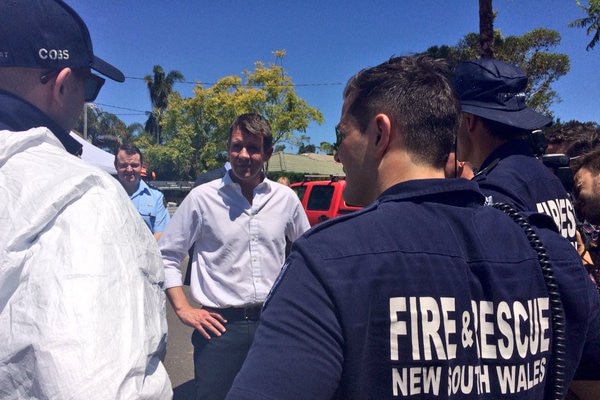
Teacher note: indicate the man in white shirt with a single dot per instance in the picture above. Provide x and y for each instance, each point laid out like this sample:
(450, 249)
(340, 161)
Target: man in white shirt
(238, 226)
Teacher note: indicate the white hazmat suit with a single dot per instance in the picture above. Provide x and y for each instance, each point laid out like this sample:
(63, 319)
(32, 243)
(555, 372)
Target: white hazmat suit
(82, 308)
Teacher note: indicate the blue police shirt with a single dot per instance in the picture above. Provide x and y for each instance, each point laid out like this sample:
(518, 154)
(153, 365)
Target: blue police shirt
(151, 206)
(426, 293)
(512, 175)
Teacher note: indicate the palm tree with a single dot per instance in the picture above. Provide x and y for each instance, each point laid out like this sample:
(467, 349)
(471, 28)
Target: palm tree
(486, 29)
(111, 132)
(591, 22)
(160, 85)
(132, 132)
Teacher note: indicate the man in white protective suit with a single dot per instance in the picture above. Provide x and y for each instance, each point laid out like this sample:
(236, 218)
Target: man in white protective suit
(82, 307)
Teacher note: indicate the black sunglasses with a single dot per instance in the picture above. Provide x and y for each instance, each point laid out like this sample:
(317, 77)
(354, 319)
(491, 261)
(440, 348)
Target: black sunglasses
(92, 84)
(338, 137)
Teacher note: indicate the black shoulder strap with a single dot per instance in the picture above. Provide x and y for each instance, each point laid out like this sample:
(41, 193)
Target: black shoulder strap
(556, 306)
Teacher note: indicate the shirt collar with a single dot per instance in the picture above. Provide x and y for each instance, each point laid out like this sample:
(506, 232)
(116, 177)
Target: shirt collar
(511, 147)
(143, 187)
(451, 191)
(262, 187)
(17, 114)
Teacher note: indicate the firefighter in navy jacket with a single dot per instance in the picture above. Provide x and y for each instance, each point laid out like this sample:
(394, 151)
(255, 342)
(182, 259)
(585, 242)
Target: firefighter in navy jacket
(426, 292)
(495, 136)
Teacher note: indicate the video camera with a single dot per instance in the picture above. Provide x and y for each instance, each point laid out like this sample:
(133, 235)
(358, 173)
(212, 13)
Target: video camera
(558, 163)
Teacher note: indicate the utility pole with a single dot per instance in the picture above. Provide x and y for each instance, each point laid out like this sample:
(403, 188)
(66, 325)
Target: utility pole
(85, 106)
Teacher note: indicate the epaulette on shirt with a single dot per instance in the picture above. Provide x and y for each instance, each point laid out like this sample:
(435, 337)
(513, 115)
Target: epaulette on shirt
(151, 186)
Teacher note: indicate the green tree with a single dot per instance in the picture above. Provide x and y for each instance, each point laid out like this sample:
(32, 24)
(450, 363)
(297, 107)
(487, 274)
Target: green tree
(105, 130)
(531, 52)
(308, 148)
(326, 148)
(195, 129)
(591, 23)
(132, 132)
(113, 130)
(160, 86)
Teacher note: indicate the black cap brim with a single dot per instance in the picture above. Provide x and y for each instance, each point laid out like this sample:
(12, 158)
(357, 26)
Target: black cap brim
(524, 119)
(107, 70)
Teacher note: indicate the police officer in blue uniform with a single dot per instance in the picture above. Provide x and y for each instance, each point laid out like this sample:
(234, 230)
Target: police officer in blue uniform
(495, 136)
(426, 292)
(148, 200)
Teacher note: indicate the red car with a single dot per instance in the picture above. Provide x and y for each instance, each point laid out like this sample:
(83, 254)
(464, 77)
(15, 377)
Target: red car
(322, 199)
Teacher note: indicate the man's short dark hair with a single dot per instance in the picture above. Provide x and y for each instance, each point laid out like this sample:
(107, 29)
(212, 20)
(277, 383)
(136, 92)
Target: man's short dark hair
(253, 124)
(130, 149)
(576, 138)
(590, 161)
(416, 94)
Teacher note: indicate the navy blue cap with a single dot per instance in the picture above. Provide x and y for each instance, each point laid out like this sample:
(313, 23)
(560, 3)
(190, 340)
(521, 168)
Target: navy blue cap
(495, 90)
(47, 34)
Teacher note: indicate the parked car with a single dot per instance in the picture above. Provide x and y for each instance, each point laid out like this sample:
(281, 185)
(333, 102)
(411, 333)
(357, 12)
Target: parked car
(322, 198)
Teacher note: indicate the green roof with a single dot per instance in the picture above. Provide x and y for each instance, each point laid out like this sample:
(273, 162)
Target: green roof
(307, 163)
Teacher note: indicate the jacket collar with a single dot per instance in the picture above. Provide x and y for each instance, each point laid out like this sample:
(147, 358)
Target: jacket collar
(512, 147)
(17, 114)
(453, 191)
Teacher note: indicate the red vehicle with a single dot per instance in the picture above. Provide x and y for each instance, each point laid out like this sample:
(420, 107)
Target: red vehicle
(322, 199)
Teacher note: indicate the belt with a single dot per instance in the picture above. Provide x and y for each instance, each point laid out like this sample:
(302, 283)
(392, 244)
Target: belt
(251, 313)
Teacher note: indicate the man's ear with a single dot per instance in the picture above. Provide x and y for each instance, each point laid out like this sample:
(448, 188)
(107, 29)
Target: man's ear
(267, 154)
(383, 128)
(470, 121)
(62, 82)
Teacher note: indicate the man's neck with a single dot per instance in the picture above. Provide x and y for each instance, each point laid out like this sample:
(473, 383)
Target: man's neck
(398, 166)
(486, 146)
(248, 186)
(131, 189)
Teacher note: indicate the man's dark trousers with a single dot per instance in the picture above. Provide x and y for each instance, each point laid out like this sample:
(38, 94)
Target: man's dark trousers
(218, 360)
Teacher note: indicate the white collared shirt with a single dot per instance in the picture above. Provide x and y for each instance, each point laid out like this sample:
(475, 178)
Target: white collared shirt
(238, 248)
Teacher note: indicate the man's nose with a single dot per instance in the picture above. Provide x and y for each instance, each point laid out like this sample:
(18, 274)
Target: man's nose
(244, 153)
(336, 157)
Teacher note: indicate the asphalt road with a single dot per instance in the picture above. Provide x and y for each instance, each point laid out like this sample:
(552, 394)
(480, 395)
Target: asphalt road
(179, 359)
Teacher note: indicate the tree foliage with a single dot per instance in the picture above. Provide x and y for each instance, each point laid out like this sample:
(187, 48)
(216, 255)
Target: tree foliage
(531, 52)
(307, 148)
(591, 23)
(195, 129)
(326, 148)
(105, 130)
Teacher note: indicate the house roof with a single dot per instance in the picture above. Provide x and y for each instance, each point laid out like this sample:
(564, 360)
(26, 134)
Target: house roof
(306, 163)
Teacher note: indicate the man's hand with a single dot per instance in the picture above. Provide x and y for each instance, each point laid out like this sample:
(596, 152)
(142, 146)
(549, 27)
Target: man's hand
(206, 322)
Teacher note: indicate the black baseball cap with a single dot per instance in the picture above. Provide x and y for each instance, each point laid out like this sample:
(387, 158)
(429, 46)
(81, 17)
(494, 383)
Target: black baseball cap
(47, 34)
(495, 90)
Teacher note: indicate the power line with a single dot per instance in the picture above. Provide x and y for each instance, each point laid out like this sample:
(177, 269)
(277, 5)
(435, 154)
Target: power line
(254, 85)
(124, 108)
(145, 112)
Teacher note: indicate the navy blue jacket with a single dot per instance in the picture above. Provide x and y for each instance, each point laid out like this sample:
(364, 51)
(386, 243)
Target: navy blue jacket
(18, 115)
(426, 293)
(512, 175)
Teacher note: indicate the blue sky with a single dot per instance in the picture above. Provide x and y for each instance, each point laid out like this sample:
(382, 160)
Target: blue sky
(326, 41)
